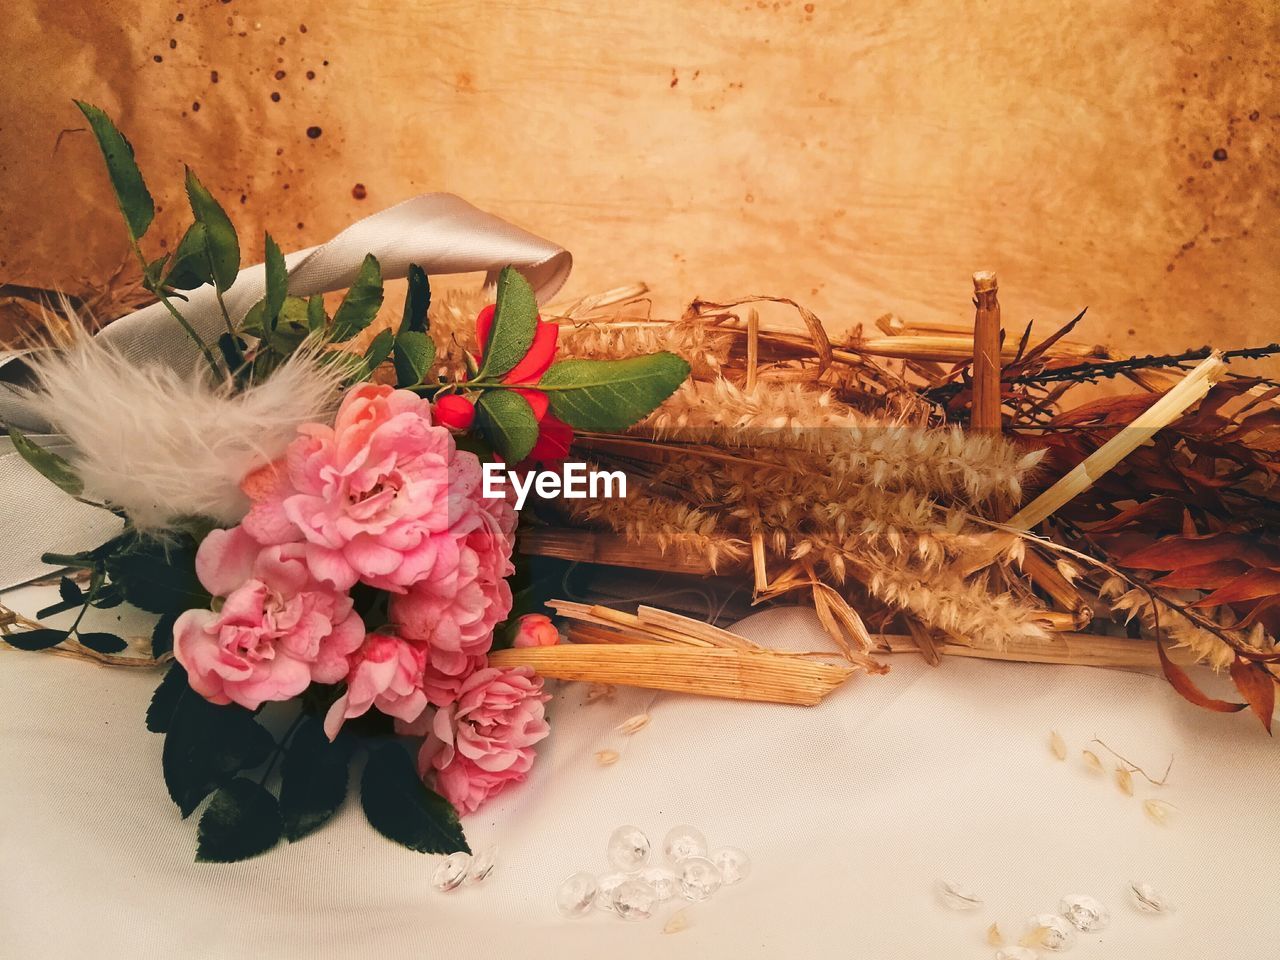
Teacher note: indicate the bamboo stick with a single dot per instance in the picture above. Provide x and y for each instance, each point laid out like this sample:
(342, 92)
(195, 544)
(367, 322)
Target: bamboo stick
(1164, 411)
(1047, 577)
(715, 672)
(590, 546)
(753, 347)
(1063, 348)
(894, 326)
(697, 628)
(984, 411)
(624, 619)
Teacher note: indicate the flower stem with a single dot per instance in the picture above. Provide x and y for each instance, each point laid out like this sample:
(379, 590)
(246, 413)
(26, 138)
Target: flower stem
(191, 331)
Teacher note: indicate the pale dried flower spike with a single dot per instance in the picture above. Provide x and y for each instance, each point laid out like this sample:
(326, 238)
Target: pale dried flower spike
(1091, 761)
(994, 937)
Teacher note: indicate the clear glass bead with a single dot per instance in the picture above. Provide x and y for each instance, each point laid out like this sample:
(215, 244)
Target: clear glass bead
(634, 900)
(609, 884)
(628, 849)
(482, 865)
(957, 895)
(683, 842)
(663, 881)
(1017, 953)
(1147, 898)
(734, 864)
(451, 871)
(699, 878)
(1051, 932)
(576, 895)
(1086, 913)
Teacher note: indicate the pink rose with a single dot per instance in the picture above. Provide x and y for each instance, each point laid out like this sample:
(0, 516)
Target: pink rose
(483, 742)
(387, 673)
(278, 629)
(536, 630)
(454, 610)
(374, 498)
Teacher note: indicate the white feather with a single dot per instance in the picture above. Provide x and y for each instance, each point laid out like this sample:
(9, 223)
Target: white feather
(163, 446)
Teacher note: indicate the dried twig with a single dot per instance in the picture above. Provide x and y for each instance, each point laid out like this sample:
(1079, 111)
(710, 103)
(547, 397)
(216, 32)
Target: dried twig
(1134, 768)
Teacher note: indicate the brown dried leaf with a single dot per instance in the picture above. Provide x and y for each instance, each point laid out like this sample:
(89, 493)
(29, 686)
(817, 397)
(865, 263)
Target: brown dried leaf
(1091, 761)
(1179, 680)
(1160, 511)
(1257, 686)
(1255, 584)
(1174, 553)
(1203, 576)
(1124, 780)
(1057, 745)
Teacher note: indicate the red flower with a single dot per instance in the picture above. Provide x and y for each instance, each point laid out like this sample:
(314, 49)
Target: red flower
(453, 411)
(554, 435)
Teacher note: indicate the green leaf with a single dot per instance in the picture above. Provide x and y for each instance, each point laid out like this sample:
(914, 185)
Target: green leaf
(379, 350)
(70, 591)
(102, 642)
(515, 319)
(361, 303)
(220, 236)
(242, 821)
(207, 745)
(190, 267)
(317, 319)
(277, 283)
(168, 695)
(611, 395)
(232, 351)
(112, 595)
(507, 422)
(159, 576)
(50, 466)
(313, 779)
(414, 353)
(162, 634)
(126, 179)
(62, 606)
(416, 302)
(41, 639)
(401, 808)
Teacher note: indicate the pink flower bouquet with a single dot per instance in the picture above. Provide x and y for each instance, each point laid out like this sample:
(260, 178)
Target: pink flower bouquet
(320, 551)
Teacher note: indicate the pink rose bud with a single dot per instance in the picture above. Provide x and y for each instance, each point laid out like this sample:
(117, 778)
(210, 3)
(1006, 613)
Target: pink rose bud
(454, 411)
(536, 630)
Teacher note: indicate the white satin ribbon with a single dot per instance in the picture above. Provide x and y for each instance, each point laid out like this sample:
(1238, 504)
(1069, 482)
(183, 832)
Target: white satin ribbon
(440, 232)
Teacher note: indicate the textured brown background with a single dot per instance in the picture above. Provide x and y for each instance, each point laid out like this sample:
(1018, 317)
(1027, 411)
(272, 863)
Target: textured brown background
(861, 157)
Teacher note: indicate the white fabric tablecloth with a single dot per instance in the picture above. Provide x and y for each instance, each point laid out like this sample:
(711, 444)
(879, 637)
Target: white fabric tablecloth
(851, 812)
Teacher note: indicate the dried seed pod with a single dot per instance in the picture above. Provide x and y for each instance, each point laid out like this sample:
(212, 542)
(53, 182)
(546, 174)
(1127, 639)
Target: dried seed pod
(633, 724)
(1058, 745)
(1124, 780)
(606, 758)
(1157, 811)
